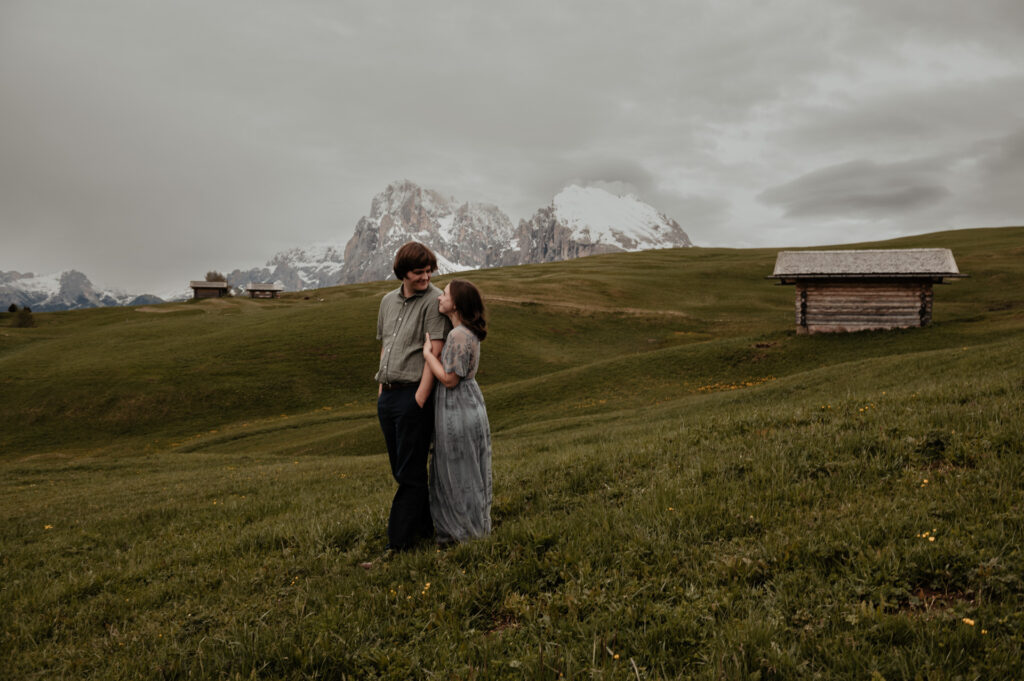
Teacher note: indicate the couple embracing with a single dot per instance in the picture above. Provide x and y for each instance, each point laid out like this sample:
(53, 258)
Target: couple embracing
(430, 350)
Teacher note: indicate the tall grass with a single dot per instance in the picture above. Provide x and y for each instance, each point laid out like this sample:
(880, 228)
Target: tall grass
(683, 487)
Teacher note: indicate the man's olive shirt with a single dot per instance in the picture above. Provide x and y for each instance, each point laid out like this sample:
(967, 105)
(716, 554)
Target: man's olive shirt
(401, 323)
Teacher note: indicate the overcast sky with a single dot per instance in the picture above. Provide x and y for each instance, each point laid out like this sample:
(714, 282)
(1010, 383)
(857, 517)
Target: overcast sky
(145, 142)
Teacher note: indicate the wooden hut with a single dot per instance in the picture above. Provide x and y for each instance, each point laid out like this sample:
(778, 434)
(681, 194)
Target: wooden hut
(264, 290)
(208, 289)
(840, 291)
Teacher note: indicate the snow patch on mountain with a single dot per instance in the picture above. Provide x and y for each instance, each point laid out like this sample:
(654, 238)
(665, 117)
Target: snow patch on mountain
(446, 266)
(70, 290)
(45, 285)
(462, 235)
(596, 216)
(296, 269)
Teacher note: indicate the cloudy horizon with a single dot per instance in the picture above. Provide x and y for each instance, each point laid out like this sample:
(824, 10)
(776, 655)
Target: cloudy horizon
(146, 143)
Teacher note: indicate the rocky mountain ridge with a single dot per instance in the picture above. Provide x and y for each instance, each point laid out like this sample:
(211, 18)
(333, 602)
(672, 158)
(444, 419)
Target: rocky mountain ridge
(580, 221)
(70, 290)
(464, 236)
(297, 269)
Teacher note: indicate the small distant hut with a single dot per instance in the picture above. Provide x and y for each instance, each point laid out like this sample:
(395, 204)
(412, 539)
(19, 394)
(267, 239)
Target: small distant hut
(208, 289)
(264, 290)
(839, 291)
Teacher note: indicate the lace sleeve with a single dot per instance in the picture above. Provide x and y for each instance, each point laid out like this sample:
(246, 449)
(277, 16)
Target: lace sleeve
(458, 354)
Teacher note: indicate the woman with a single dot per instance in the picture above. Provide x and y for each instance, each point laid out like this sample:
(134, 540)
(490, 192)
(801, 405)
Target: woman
(460, 470)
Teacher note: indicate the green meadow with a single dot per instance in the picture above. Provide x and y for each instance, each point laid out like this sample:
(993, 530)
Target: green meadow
(684, 487)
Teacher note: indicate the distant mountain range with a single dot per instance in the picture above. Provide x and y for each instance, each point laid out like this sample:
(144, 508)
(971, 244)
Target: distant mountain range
(465, 236)
(69, 290)
(580, 221)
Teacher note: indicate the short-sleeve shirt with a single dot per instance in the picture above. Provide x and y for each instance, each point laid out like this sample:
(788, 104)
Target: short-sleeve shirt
(401, 324)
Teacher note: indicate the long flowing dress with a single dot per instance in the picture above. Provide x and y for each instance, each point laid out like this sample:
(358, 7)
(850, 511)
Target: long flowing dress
(460, 470)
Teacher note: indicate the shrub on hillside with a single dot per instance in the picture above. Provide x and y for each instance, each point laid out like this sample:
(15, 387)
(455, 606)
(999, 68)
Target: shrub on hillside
(23, 318)
(214, 275)
(13, 308)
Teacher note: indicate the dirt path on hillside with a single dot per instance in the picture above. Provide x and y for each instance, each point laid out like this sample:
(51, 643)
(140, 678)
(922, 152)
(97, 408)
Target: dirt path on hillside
(156, 310)
(208, 306)
(635, 311)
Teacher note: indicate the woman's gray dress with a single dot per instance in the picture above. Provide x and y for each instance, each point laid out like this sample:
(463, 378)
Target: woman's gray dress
(460, 470)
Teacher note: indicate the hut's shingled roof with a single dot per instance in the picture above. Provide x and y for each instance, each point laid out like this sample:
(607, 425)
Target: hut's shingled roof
(208, 284)
(894, 262)
(264, 287)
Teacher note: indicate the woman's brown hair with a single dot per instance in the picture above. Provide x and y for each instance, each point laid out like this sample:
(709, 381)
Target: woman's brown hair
(470, 306)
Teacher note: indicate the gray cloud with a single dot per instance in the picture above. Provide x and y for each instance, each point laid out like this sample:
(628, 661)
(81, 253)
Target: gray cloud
(858, 190)
(1004, 162)
(903, 122)
(1000, 22)
(144, 142)
(989, 182)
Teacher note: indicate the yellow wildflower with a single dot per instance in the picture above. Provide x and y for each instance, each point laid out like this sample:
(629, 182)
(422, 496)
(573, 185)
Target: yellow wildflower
(968, 621)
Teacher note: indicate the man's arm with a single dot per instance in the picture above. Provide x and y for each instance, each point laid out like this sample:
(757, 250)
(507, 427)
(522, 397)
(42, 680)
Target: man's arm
(380, 337)
(427, 379)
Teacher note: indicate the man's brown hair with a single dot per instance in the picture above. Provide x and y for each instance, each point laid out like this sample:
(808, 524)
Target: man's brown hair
(413, 256)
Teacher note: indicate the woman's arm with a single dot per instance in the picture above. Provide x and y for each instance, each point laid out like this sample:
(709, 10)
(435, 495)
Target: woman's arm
(449, 380)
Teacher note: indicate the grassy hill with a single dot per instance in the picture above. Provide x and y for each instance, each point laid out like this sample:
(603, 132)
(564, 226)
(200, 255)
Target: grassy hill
(684, 487)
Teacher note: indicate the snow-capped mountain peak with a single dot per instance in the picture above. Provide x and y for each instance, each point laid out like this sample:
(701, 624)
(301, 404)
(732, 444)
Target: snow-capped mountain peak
(462, 235)
(597, 216)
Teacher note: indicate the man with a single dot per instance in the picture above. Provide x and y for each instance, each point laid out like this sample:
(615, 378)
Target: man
(405, 403)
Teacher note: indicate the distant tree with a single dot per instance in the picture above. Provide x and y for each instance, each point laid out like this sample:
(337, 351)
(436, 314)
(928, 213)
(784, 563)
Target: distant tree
(12, 308)
(24, 319)
(214, 275)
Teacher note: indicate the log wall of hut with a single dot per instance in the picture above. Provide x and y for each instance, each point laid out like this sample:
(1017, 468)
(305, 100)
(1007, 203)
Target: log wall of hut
(259, 293)
(209, 293)
(828, 306)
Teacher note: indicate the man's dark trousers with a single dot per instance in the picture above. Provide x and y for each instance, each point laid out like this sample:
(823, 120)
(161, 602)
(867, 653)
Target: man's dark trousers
(408, 429)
